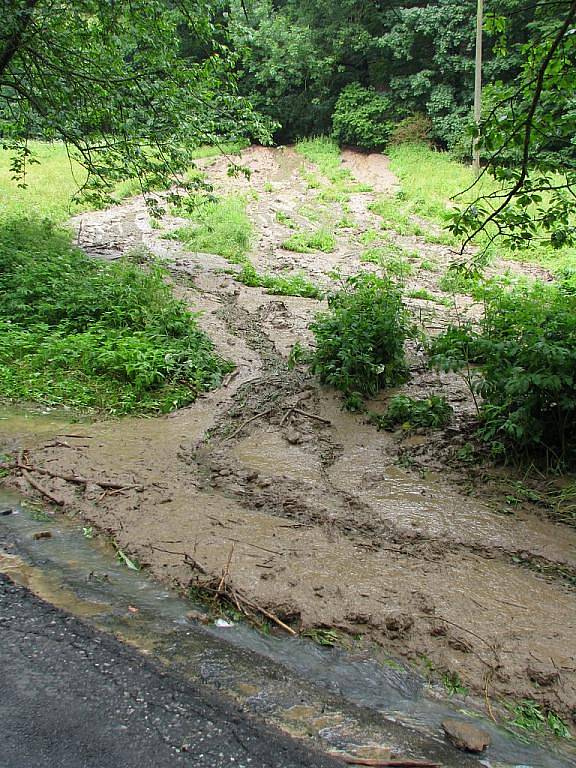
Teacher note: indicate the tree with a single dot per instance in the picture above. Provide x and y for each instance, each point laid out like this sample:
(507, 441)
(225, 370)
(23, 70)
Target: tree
(528, 139)
(114, 82)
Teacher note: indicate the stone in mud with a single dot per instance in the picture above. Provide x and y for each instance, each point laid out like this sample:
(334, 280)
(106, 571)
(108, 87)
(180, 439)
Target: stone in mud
(42, 535)
(542, 675)
(465, 736)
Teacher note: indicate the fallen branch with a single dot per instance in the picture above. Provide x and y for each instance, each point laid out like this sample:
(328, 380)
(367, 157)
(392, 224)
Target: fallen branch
(68, 478)
(312, 416)
(44, 491)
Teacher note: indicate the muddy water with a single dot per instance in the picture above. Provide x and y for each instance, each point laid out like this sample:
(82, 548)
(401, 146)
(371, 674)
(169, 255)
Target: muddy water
(311, 692)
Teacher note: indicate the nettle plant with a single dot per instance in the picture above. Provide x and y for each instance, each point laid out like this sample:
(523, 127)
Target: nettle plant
(521, 360)
(360, 340)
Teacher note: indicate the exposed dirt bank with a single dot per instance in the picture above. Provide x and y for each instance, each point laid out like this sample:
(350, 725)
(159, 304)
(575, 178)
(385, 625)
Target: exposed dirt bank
(330, 525)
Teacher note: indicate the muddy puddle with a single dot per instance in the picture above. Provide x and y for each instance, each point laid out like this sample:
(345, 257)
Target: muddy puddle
(345, 701)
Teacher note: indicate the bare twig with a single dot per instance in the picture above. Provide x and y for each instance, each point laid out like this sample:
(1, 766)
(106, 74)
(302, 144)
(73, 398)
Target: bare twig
(248, 421)
(68, 478)
(312, 416)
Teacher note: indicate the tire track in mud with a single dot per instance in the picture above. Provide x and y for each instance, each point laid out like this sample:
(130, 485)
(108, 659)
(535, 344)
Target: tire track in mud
(364, 545)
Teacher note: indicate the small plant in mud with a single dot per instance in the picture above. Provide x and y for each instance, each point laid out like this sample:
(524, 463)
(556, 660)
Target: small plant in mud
(453, 684)
(285, 219)
(412, 413)
(529, 716)
(524, 353)
(282, 285)
(360, 340)
(326, 637)
(307, 242)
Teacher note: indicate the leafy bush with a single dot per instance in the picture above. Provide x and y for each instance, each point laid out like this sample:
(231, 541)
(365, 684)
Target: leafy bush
(360, 340)
(90, 334)
(525, 350)
(414, 129)
(306, 242)
(411, 413)
(362, 117)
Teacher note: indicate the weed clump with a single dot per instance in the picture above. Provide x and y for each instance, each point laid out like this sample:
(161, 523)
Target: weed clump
(79, 332)
(281, 285)
(220, 226)
(360, 340)
(307, 242)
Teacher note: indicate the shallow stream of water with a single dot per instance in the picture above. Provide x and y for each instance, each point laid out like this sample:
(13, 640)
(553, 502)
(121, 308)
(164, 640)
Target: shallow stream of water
(342, 700)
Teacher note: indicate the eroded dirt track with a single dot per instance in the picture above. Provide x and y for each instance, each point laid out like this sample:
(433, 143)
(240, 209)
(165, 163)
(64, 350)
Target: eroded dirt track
(329, 527)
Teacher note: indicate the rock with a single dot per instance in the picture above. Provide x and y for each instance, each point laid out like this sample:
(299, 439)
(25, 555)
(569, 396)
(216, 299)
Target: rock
(465, 736)
(43, 535)
(6, 512)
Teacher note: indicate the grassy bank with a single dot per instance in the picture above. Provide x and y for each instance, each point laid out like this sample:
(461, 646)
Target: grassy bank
(431, 182)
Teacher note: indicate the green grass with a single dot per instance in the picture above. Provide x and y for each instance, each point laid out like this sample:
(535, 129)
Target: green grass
(87, 334)
(391, 257)
(429, 181)
(306, 242)
(51, 184)
(282, 285)
(425, 295)
(226, 148)
(221, 227)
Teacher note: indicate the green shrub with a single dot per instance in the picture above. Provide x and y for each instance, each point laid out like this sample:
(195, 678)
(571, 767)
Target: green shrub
(360, 340)
(306, 242)
(361, 117)
(525, 350)
(91, 334)
(412, 413)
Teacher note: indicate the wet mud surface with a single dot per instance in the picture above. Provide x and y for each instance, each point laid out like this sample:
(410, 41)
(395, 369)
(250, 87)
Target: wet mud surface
(325, 521)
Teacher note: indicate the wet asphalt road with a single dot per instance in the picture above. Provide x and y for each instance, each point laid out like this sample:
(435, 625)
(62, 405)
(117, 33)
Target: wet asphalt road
(71, 697)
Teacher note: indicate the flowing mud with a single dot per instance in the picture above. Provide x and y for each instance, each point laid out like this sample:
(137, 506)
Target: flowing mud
(324, 521)
(343, 701)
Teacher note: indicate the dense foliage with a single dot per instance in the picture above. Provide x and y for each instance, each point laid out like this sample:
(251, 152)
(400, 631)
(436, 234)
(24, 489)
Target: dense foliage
(360, 340)
(522, 363)
(84, 333)
(301, 55)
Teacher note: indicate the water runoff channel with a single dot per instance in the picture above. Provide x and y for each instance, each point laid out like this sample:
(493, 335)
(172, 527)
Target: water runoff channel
(341, 701)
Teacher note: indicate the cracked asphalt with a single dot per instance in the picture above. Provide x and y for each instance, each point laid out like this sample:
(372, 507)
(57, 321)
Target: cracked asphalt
(71, 697)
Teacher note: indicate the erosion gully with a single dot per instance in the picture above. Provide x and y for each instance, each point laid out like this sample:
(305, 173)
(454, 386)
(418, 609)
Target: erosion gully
(317, 517)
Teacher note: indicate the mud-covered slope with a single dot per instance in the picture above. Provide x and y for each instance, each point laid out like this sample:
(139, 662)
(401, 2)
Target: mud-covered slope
(328, 526)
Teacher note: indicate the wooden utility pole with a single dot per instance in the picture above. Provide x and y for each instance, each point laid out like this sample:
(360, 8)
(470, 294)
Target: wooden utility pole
(478, 85)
